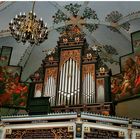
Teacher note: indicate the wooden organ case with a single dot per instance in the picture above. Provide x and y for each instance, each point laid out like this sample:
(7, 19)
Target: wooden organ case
(71, 78)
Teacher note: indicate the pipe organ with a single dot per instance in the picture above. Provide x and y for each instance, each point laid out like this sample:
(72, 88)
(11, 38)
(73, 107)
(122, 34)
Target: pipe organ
(71, 77)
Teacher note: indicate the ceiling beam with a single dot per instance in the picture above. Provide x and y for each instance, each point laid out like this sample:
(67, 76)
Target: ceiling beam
(124, 33)
(129, 18)
(95, 21)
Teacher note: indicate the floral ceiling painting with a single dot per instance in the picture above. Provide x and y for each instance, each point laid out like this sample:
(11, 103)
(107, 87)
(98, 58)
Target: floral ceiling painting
(127, 84)
(12, 92)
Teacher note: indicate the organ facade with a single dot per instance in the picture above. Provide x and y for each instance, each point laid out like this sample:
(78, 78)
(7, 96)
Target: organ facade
(72, 76)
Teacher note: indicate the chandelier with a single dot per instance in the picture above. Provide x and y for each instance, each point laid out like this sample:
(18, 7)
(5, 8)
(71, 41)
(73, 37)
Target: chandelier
(27, 28)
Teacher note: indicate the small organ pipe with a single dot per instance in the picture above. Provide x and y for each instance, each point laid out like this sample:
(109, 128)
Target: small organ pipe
(49, 86)
(63, 83)
(86, 89)
(53, 88)
(66, 82)
(60, 88)
(78, 87)
(83, 92)
(90, 99)
(75, 88)
(92, 90)
(72, 88)
(69, 75)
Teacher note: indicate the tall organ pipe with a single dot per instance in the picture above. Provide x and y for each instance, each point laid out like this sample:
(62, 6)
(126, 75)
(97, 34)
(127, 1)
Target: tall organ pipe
(90, 81)
(75, 88)
(66, 82)
(69, 75)
(63, 81)
(72, 88)
(78, 93)
(60, 88)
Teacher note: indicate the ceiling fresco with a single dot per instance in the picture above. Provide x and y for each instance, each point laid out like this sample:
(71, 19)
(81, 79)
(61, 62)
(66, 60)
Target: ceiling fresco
(107, 25)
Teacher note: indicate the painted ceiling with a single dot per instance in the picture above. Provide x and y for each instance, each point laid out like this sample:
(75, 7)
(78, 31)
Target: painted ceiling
(106, 24)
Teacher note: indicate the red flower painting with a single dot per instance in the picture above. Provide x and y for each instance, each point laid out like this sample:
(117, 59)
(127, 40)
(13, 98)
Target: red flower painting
(12, 92)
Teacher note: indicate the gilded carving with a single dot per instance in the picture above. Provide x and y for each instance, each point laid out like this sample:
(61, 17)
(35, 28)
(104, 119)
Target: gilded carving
(90, 68)
(50, 133)
(51, 72)
(100, 81)
(73, 54)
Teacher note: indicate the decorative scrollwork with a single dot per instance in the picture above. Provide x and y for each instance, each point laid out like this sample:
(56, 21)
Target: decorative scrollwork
(55, 133)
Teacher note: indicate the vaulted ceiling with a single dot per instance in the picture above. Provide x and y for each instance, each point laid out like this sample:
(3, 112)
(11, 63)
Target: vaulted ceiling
(106, 24)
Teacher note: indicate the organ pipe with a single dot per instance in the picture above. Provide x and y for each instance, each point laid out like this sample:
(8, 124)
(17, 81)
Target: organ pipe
(63, 81)
(60, 88)
(78, 87)
(72, 88)
(66, 82)
(69, 75)
(75, 89)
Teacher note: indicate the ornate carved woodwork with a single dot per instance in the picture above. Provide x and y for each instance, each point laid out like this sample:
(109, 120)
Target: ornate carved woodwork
(67, 54)
(51, 72)
(48, 133)
(90, 68)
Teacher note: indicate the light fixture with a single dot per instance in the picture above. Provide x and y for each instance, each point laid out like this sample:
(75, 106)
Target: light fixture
(28, 29)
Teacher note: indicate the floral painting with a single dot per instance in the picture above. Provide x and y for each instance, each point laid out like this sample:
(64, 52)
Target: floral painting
(127, 84)
(12, 92)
